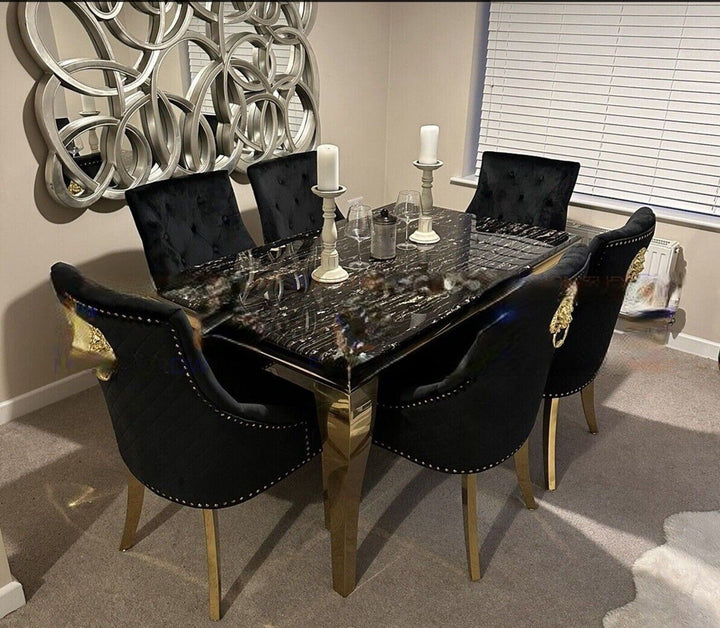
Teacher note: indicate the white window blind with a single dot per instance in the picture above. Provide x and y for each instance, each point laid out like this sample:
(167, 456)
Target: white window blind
(631, 90)
(197, 60)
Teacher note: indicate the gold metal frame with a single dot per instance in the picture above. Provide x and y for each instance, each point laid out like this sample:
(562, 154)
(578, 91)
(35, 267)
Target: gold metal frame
(587, 395)
(135, 497)
(522, 470)
(469, 503)
(550, 417)
(550, 414)
(212, 544)
(346, 420)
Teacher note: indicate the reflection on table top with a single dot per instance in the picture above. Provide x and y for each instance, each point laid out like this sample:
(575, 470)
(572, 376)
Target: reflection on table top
(345, 333)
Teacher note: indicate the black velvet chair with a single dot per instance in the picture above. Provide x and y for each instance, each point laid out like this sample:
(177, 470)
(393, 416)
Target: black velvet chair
(468, 401)
(179, 431)
(187, 221)
(525, 189)
(616, 258)
(282, 189)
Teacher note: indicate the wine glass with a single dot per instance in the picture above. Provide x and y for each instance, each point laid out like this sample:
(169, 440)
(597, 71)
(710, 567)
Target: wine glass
(243, 277)
(407, 208)
(359, 224)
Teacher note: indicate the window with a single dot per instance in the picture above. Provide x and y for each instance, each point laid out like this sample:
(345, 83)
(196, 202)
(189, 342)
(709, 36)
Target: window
(631, 90)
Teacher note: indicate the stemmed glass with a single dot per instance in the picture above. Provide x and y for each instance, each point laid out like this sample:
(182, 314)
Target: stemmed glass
(359, 225)
(407, 209)
(244, 276)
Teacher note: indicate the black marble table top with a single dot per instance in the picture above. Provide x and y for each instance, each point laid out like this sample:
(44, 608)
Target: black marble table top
(343, 334)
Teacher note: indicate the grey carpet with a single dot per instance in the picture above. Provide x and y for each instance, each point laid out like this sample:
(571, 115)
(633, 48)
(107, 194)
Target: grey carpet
(566, 564)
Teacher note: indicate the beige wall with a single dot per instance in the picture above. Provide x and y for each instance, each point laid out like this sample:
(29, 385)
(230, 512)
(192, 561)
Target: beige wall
(351, 44)
(431, 54)
(429, 83)
(385, 69)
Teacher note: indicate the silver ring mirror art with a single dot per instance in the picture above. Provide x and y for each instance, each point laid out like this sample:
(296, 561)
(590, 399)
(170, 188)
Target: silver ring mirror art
(148, 132)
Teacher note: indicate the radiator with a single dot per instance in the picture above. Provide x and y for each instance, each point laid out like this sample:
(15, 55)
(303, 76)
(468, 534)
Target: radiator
(661, 263)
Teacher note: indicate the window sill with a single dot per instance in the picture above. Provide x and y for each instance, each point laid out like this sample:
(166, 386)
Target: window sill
(663, 214)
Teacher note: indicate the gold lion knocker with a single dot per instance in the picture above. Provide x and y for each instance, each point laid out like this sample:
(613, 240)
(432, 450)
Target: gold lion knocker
(636, 266)
(89, 344)
(562, 318)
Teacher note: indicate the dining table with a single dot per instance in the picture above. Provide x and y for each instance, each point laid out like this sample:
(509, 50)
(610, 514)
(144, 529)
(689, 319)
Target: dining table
(340, 337)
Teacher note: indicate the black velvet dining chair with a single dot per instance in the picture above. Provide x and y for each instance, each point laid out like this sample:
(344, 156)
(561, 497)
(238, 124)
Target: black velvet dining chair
(178, 429)
(285, 201)
(527, 189)
(616, 258)
(468, 401)
(187, 221)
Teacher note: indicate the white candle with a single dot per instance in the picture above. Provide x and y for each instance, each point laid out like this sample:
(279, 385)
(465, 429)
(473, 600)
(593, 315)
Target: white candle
(88, 103)
(428, 144)
(328, 167)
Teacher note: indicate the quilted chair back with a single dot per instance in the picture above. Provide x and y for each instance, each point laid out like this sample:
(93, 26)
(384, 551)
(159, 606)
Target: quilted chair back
(178, 431)
(600, 297)
(187, 221)
(282, 189)
(525, 189)
(469, 401)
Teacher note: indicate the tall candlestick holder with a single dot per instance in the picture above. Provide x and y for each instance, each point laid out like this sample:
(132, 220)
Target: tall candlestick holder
(329, 270)
(424, 233)
(92, 134)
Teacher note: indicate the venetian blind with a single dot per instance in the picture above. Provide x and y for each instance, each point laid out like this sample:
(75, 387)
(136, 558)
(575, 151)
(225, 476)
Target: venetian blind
(631, 90)
(198, 59)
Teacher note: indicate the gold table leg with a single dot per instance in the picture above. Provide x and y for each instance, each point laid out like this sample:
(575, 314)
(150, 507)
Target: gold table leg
(135, 496)
(587, 395)
(346, 425)
(469, 502)
(550, 414)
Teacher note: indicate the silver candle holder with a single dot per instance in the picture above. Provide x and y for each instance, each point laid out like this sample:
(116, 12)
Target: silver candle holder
(425, 233)
(329, 270)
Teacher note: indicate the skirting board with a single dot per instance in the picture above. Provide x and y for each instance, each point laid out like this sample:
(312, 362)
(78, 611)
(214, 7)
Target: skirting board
(687, 344)
(11, 598)
(696, 346)
(45, 395)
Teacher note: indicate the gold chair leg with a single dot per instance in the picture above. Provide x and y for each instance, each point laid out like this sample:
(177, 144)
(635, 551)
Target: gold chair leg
(550, 413)
(587, 395)
(213, 561)
(469, 502)
(522, 470)
(135, 496)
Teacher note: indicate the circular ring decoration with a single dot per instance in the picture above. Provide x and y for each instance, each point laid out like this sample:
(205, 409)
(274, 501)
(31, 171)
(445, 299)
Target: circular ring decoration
(174, 137)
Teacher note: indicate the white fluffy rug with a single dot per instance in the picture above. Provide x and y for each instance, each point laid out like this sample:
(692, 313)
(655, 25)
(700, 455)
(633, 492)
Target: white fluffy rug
(677, 584)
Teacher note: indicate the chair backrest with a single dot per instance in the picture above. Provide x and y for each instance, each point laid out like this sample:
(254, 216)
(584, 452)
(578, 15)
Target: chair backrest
(178, 431)
(600, 297)
(484, 407)
(525, 189)
(187, 221)
(282, 189)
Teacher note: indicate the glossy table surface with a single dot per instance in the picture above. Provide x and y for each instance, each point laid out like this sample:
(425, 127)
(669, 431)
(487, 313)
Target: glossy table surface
(344, 334)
